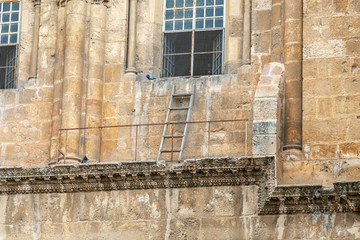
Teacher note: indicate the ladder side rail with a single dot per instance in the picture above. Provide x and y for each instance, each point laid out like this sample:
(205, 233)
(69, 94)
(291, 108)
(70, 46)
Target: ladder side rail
(188, 117)
(166, 124)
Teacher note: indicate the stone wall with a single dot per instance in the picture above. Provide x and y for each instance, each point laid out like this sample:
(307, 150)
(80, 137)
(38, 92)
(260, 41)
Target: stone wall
(228, 198)
(331, 137)
(120, 99)
(214, 213)
(227, 97)
(80, 81)
(25, 112)
(132, 214)
(83, 81)
(330, 113)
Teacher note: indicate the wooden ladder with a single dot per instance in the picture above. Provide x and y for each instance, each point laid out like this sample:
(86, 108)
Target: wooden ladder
(171, 109)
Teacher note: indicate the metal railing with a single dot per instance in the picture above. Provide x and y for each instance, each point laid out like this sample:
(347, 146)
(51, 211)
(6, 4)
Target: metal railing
(231, 135)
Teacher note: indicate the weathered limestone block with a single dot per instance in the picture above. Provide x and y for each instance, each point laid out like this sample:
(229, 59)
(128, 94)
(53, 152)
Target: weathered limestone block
(267, 110)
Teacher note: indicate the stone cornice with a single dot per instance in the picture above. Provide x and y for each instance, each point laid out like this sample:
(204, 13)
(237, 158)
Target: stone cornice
(273, 200)
(105, 2)
(293, 199)
(133, 175)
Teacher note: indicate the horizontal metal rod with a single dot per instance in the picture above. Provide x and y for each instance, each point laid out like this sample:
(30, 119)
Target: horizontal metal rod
(195, 53)
(8, 67)
(156, 124)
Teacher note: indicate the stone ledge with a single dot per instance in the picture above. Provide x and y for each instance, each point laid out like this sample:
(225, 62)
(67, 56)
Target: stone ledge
(209, 172)
(308, 198)
(62, 2)
(133, 175)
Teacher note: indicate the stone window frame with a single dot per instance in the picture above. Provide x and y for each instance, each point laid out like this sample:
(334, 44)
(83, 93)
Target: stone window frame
(218, 54)
(10, 18)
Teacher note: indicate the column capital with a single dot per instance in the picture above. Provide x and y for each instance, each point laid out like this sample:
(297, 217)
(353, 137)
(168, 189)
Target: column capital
(36, 3)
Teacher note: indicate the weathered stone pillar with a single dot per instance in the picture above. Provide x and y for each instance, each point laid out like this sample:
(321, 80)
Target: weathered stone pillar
(131, 52)
(247, 33)
(293, 65)
(58, 83)
(35, 44)
(73, 77)
(95, 81)
(268, 107)
(276, 31)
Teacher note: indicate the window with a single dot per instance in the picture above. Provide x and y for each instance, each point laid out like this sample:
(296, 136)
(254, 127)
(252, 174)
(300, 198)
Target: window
(9, 38)
(193, 37)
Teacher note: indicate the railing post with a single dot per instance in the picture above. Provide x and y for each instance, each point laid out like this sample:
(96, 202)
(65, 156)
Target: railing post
(136, 137)
(246, 142)
(100, 150)
(172, 142)
(208, 147)
(66, 141)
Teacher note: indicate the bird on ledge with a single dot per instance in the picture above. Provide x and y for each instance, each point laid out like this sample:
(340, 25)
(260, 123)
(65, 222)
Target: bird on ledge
(84, 160)
(150, 77)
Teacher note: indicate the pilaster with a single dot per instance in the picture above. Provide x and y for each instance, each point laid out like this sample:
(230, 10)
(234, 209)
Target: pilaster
(131, 54)
(35, 44)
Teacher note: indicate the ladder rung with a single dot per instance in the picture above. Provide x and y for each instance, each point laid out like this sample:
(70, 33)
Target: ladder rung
(169, 151)
(175, 136)
(179, 108)
(182, 95)
(175, 122)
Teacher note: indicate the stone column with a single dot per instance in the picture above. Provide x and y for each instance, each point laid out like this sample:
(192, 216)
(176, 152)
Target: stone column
(58, 83)
(234, 35)
(95, 81)
(35, 44)
(293, 65)
(131, 52)
(276, 31)
(247, 33)
(73, 77)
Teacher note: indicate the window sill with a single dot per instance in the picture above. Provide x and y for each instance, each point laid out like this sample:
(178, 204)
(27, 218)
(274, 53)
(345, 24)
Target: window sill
(142, 78)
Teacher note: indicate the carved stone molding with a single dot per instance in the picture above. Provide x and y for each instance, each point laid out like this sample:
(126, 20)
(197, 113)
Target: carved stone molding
(36, 3)
(133, 175)
(273, 200)
(106, 3)
(293, 199)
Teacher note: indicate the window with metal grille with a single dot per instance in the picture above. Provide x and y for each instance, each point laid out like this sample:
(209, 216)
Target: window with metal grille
(9, 38)
(193, 37)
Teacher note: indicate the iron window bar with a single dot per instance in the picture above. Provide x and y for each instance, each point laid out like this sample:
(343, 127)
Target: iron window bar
(215, 49)
(188, 53)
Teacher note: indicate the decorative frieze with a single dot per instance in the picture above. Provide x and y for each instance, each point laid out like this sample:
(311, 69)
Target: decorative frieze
(133, 175)
(62, 2)
(273, 200)
(308, 198)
